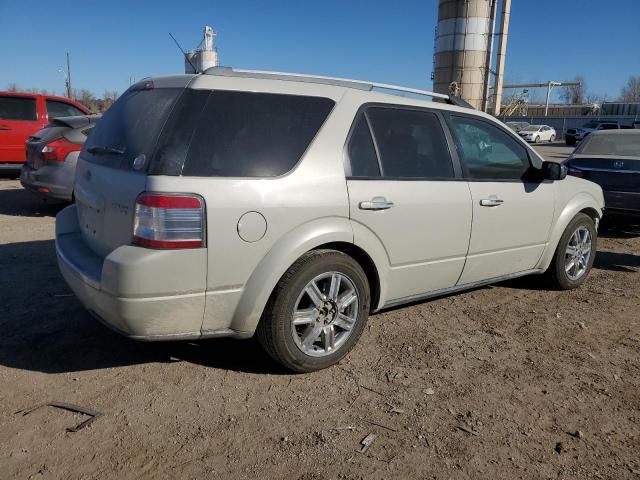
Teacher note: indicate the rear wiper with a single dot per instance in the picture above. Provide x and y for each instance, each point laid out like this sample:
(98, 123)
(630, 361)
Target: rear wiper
(105, 150)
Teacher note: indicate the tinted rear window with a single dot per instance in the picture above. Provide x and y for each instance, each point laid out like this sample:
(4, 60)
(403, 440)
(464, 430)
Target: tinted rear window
(131, 125)
(620, 145)
(18, 108)
(241, 134)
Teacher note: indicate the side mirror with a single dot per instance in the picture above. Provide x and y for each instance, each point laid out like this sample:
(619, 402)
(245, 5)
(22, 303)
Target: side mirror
(554, 171)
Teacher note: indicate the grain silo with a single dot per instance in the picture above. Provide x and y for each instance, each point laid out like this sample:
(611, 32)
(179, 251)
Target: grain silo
(200, 59)
(464, 39)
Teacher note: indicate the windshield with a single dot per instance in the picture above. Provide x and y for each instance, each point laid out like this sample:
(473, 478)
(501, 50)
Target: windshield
(531, 128)
(615, 145)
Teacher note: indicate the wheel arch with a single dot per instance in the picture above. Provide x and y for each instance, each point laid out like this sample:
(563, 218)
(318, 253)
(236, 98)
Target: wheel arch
(581, 203)
(333, 232)
(367, 264)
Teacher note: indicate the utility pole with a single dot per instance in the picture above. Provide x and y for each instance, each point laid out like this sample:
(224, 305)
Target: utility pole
(502, 52)
(68, 82)
(487, 74)
(549, 86)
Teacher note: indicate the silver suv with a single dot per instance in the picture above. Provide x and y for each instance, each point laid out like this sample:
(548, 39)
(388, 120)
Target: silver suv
(235, 203)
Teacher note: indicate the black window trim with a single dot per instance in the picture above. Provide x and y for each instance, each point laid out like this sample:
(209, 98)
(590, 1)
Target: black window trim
(465, 176)
(28, 97)
(455, 161)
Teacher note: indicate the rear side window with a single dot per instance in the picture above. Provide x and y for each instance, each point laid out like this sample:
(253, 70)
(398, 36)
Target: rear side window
(18, 108)
(57, 109)
(246, 134)
(411, 143)
(487, 152)
(130, 128)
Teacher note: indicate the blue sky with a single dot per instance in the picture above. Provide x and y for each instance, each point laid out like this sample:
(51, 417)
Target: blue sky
(388, 41)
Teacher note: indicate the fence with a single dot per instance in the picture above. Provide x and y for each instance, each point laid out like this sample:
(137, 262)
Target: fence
(562, 123)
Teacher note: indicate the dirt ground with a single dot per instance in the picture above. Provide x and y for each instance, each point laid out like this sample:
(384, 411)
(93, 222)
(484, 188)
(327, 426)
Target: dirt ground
(506, 382)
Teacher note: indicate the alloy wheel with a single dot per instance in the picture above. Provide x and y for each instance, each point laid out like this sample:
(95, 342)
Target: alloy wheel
(578, 253)
(325, 314)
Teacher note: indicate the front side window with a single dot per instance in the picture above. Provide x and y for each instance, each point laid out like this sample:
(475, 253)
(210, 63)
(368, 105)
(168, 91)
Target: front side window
(487, 152)
(411, 143)
(18, 108)
(57, 109)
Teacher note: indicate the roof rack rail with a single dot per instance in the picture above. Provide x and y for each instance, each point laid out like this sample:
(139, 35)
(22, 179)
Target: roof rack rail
(341, 82)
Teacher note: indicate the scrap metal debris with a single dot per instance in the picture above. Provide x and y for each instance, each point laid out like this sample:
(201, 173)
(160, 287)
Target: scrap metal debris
(381, 425)
(70, 407)
(468, 430)
(367, 441)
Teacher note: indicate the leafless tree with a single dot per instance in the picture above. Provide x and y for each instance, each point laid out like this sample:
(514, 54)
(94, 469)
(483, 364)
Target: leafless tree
(631, 92)
(110, 95)
(594, 98)
(85, 96)
(13, 87)
(575, 94)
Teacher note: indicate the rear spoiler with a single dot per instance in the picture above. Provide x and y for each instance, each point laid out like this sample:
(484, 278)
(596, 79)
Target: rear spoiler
(77, 121)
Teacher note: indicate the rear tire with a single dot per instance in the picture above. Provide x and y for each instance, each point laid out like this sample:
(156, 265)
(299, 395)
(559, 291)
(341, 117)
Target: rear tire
(574, 255)
(305, 325)
(570, 141)
(552, 138)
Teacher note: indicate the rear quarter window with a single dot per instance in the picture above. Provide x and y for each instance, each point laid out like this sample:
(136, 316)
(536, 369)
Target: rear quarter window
(18, 108)
(246, 134)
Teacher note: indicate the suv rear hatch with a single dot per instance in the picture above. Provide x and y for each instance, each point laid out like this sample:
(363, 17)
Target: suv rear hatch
(111, 171)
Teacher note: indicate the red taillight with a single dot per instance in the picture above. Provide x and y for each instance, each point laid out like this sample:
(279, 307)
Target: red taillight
(576, 173)
(58, 150)
(169, 221)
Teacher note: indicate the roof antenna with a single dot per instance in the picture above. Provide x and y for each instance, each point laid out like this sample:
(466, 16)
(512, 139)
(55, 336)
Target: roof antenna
(186, 57)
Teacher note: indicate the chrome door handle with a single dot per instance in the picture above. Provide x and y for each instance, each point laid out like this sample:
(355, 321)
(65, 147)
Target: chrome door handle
(376, 203)
(492, 201)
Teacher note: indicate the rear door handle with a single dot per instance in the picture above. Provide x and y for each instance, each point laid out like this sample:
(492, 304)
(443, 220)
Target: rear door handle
(376, 203)
(492, 201)
(4, 127)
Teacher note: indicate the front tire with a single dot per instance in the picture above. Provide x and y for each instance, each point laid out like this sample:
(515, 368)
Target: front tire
(575, 254)
(536, 140)
(570, 141)
(317, 312)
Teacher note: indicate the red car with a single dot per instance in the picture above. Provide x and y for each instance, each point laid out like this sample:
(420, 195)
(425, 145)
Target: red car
(22, 115)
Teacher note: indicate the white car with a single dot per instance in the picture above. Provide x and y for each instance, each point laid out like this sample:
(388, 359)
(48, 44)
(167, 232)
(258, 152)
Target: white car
(538, 133)
(234, 203)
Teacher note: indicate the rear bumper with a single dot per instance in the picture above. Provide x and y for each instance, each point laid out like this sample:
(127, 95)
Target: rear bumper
(574, 136)
(622, 203)
(128, 291)
(52, 181)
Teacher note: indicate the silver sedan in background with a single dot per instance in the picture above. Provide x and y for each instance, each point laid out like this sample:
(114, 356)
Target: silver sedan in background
(52, 154)
(538, 133)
